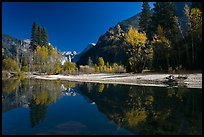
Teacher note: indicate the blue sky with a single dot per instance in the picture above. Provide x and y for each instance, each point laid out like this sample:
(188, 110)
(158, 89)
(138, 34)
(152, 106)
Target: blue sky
(70, 25)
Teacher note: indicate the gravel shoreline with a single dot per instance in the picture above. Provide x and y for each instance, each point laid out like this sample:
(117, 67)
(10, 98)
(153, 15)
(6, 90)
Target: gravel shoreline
(192, 81)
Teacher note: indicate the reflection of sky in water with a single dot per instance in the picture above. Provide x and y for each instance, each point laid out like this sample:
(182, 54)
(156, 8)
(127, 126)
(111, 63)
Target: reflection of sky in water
(78, 117)
(69, 115)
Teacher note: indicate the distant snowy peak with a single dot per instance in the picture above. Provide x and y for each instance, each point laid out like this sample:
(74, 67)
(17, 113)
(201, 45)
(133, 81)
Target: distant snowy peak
(73, 56)
(93, 44)
(26, 41)
(90, 45)
(71, 53)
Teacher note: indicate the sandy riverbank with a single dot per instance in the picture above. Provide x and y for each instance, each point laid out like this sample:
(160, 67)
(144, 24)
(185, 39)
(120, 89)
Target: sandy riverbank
(193, 80)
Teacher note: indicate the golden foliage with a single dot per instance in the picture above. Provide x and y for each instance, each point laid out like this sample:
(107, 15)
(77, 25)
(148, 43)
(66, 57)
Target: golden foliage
(160, 39)
(10, 65)
(41, 54)
(70, 67)
(96, 68)
(57, 67)
(101, 61)
(2, 52)
(160, 31)
(136, 38)
(196, 19)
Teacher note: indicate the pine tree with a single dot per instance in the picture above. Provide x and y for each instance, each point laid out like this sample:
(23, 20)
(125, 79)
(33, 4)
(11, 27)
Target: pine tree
(44, 37)
(39, 35)
(163, 15)
(34, 35)
(145, 18)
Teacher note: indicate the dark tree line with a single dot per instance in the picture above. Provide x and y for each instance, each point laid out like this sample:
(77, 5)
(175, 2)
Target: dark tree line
(145, 20)
(175, 45)
(38, 36)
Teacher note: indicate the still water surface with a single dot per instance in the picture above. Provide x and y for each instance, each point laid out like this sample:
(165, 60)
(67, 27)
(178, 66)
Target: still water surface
(61, 107)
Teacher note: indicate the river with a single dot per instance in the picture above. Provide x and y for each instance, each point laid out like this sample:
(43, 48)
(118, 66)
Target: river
(77, 108)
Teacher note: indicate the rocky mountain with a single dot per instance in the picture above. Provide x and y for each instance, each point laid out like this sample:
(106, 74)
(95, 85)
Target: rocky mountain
(25, 42)
(10, 44)
(134, 20)
(111, 45)
(130, 22)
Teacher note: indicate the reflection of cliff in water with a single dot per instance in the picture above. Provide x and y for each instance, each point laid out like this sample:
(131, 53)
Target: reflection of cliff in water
(34, 94)
(149, 110)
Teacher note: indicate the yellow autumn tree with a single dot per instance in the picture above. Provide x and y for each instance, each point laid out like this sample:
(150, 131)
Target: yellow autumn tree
(138, 50)
(41, 57)
(10, 64)
(57, 67)
(136, 38)
(70, 67)
(101, 63)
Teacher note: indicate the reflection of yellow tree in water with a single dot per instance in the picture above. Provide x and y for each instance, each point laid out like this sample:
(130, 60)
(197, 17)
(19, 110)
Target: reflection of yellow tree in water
(45, 93)
(151, 110)
(164, 111)
(44, 97)
(9, 85)
(138, 104)
(100, 88)
(143, 115)
(134, 117)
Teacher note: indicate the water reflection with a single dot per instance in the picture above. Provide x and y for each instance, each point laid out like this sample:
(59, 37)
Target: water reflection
(149, 110)
(141, 110)
(36, 95)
